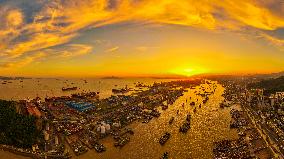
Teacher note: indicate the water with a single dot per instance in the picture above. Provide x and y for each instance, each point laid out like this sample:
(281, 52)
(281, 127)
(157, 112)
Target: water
(31, 88)
(209, 124)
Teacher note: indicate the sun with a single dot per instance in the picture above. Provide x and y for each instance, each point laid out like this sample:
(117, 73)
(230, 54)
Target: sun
(188, 71)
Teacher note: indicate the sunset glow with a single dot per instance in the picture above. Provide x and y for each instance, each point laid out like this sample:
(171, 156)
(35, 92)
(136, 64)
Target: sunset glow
(90, 38)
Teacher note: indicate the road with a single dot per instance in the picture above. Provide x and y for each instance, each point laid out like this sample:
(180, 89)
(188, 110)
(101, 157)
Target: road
(271, 140)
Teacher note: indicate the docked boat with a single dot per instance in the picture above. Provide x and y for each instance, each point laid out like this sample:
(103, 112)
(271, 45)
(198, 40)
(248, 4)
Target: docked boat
(164, 138)
(140, 85)
(122, 141)
(99, 147)
(222, 105)
(69, 88)
(120, 91)
(171, 120)
(155, 113)
(164, 107)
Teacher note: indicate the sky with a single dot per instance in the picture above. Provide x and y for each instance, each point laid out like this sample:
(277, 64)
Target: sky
(91, 38)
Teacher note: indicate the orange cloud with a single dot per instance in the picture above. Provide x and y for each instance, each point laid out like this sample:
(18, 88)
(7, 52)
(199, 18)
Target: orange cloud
(70, 50)
(60, 21)
(273, 40)
(22, 61)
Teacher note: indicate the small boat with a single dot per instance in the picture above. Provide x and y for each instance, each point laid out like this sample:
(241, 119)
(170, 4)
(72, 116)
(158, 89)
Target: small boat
(188, 117)
(69, 88)
(184, 127)
(164, 138)
(165, 155)
(171, 120)
(205, 100)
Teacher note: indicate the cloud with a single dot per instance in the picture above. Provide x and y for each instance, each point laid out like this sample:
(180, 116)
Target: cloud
(70, 50)
(113, 49)
(279, 43)
(20, 62)
(58, 22)
(67, 51)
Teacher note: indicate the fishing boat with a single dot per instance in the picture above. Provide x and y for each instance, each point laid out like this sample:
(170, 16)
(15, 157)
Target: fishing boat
(188, 117)
(165, 155)
(184, 127)
(171, 120)
(122, 141)
(119, 90)
(164, 107)
(164, 138)
(222, 105)
(69, 88)
(99, 147)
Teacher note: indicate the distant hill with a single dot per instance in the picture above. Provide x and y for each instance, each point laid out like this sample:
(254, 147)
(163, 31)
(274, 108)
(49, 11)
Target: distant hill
(111, 77)
(11, 78)
(266, 76)
(225, 76)
(271, 85)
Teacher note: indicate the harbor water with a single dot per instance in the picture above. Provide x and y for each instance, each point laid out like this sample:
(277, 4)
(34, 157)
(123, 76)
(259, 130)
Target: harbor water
(209, 123)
